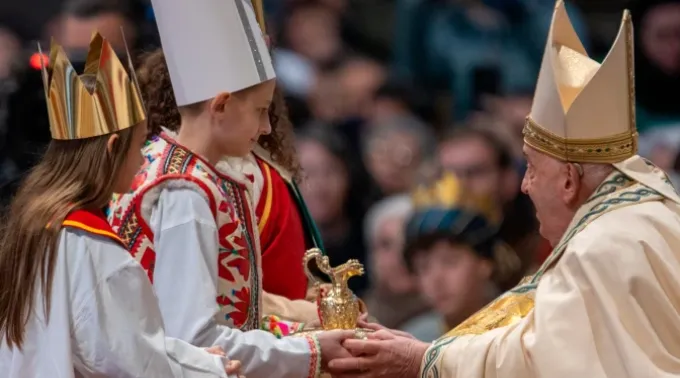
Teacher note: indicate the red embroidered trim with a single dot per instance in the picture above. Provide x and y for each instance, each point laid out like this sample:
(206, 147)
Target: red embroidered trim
(131, 234)
(315, 357)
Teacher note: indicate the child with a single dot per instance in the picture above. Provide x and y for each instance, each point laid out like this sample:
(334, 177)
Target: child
(191, 225)
(281, 214)
(454, 251)
(73, 301)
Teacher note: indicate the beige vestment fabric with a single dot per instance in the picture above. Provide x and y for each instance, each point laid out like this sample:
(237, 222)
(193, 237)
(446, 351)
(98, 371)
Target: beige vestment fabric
(300, 310)
(605, 304)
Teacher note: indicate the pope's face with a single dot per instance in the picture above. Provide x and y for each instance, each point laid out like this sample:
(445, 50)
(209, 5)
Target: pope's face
(544, 182)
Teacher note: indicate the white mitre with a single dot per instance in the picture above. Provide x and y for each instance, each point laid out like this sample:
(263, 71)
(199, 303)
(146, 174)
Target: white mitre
(211, 46)
(584, 111)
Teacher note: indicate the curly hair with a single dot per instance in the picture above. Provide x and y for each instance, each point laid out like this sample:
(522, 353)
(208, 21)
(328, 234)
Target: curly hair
(156, 87)
(162, 111)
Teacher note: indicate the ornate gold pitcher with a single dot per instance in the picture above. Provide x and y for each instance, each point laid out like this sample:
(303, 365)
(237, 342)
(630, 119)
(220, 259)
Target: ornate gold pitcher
(338, 307)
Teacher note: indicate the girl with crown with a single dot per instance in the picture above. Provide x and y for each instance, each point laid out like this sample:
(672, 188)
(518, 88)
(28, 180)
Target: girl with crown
(73, 301)
(190, 223)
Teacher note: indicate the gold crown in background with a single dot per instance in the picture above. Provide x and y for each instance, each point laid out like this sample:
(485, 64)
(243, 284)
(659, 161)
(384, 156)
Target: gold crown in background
(76, 112)
(449, 193)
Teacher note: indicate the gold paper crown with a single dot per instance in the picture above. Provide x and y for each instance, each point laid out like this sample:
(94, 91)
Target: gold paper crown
(448, 193)
(583, 111)
(76, 112)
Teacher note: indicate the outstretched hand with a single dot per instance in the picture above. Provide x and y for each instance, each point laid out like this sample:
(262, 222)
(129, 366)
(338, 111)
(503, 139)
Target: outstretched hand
(363, 322)
(382, 355)
(331, 343)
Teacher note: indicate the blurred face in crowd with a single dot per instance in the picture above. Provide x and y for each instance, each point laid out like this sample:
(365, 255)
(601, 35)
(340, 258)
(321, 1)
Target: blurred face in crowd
(326, 181)
(327, 99)
(392, 160)
(386, 251)
(453, 279)
(474, 162)
(75, 32)
(348, 92)
(359, 80)
(312, 31)
(660, 36)
(9, 50)
(553, 187)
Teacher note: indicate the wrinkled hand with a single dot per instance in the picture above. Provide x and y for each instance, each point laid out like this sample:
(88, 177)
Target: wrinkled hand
(331, 345)
(365, 323)
(383, 355)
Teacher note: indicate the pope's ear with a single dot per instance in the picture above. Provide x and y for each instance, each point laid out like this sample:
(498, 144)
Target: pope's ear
(219, 103)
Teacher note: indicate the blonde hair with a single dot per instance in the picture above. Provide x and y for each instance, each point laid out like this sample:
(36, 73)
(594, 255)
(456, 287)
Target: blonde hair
(72, 175)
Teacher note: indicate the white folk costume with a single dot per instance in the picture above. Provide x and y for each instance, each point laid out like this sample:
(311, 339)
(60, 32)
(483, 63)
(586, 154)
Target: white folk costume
(191, 226)
(104, 319)
(606, 303)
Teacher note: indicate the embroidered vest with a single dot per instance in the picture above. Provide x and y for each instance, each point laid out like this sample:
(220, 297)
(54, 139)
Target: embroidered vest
(239, 276)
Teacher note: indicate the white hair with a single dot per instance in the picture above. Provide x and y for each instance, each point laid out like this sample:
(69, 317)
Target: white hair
(594, 174)
(396, 206)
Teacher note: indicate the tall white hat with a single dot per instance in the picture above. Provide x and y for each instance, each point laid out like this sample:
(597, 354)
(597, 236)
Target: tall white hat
(584, 111)
(211, 46)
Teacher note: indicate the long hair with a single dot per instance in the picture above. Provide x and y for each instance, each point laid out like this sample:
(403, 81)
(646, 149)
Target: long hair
(72, 175)
(156, 86)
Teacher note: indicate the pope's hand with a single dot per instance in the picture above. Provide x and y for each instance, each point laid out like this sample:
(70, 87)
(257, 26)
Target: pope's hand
(383, 355)
(331, 345)
(365, 323)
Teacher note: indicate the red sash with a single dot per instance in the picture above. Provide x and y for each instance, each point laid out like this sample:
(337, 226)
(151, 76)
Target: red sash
(93, 222)
(282, 238)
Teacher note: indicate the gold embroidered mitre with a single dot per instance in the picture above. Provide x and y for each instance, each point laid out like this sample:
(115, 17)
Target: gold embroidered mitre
(449, 193)
(75, 112)
(583, 111)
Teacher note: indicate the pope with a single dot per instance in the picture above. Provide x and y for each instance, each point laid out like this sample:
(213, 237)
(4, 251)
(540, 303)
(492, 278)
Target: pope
(606, 303)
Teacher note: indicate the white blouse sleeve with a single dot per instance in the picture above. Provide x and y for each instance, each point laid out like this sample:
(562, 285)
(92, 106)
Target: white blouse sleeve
(119, 333)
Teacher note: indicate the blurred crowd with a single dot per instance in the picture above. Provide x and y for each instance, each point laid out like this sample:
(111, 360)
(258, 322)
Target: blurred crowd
(385, 95)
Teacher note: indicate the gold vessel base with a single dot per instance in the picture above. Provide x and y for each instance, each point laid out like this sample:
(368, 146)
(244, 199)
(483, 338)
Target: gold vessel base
(360, 333)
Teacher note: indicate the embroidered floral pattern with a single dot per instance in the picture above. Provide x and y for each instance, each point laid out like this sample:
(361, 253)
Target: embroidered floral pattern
(238, 285)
